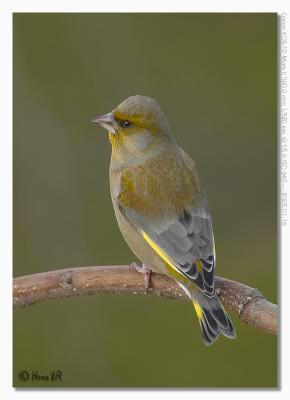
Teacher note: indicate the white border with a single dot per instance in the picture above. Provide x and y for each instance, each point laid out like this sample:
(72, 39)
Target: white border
(148, 6)
(6, 9)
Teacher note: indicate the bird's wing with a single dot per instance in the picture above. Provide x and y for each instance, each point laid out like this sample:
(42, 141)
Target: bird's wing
(185, 242)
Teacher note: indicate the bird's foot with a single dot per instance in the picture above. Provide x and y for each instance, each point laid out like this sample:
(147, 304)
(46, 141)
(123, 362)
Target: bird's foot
(147, 274)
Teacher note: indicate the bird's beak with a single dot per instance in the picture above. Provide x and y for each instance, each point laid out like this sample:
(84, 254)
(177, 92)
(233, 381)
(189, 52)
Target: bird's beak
(107, 121)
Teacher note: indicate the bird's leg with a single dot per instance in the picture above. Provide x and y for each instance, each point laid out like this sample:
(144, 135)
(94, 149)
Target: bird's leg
(143, 270)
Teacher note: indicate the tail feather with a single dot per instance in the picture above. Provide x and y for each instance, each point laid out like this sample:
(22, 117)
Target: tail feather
(212, 318)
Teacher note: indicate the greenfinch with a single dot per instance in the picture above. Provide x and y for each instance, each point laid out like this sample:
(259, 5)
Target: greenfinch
(161, 207)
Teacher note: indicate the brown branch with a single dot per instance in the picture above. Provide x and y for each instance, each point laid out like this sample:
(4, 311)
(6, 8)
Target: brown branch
(248, 303)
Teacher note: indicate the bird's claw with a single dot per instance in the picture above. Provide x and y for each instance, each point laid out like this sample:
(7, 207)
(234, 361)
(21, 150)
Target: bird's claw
(146, 272)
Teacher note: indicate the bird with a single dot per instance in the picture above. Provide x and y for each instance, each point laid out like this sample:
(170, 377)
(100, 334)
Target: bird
(161, 207)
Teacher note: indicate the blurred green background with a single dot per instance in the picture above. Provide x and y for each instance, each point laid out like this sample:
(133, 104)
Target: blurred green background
(215, 76)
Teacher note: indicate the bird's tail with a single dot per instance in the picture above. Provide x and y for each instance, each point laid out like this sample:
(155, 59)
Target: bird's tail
(212, 317)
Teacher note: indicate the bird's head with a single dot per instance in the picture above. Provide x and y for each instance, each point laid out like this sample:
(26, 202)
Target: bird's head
(135, 126)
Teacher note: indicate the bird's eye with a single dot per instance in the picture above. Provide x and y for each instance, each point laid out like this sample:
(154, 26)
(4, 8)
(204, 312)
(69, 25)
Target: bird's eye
(126, 124)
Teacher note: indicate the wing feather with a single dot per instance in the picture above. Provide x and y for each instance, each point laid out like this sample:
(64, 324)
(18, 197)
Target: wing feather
(186, 242)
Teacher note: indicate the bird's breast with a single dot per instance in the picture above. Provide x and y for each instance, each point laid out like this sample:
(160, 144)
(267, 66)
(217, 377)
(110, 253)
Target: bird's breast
(158, 186)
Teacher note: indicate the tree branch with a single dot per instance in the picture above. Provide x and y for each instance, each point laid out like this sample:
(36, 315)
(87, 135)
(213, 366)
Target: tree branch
(248, 303)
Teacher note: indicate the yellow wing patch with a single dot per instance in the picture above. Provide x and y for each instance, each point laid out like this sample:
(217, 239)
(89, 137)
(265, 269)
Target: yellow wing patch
(160, 252)
(198, 265)
(198, 310)
(172, 269)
